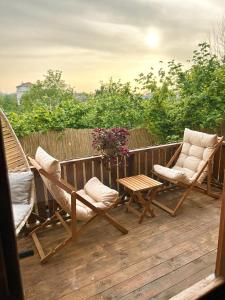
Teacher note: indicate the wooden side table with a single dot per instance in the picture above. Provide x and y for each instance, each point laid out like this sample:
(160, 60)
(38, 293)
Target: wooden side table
(136, 186)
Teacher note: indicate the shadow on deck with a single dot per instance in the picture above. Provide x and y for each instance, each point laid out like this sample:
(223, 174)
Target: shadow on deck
(155, 260)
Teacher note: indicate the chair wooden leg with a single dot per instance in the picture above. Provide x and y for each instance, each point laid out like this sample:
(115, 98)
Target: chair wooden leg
(38, 245)
(56, 249)
(171, 211)
(163, 207)
(115, 223)
(44, 257)
(44, 224)
(67, 228)
(180, 202)
(83, 227)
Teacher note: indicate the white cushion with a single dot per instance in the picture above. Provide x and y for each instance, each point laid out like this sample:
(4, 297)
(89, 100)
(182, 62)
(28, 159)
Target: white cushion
(50, 164)
(20, 186)
(173, 174)
(200, 139)
(83, 212)
(100, 192)
(196, 150)
(20, 212)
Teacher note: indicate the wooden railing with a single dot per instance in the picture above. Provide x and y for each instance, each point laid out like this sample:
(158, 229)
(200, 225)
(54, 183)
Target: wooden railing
(78, 171)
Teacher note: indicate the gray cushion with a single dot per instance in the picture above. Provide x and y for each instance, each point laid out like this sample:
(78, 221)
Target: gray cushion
(20, 186)
(20, 211)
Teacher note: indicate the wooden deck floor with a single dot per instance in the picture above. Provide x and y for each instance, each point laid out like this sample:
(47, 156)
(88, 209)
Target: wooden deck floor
(155, 260)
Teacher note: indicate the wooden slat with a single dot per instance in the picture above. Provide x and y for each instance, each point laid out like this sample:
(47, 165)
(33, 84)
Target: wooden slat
(97, 168)
(113, 176)
(216, 166)
(79, 175)
(220, 261)
(155, 158)
(40, 195)
(154, 257)
(70, 173)
(222, 164)
(149, 163)
(139, 182)
(142, 158)
(106, 171)
(88, 169)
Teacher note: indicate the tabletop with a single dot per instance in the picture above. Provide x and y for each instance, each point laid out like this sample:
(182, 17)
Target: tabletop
(139, 183)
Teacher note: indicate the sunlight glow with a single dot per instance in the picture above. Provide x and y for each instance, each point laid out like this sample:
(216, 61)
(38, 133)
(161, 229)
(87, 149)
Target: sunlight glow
(152, 39)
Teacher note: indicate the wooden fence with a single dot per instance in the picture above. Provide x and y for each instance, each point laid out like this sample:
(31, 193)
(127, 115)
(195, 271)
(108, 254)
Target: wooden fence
(75, 143)
(78, 171)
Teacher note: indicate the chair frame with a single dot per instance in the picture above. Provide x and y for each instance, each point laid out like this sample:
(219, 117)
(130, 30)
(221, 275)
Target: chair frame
(194, 184)
(73, 231)
(16, 162)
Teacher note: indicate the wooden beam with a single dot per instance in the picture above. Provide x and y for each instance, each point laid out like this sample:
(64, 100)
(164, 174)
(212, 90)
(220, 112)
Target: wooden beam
(220, 260)
(200, 289)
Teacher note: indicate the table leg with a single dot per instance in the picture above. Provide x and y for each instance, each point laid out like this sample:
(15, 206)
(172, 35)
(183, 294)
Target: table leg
(122, 198)
(146, 204)
(128, 204)
(150, 196)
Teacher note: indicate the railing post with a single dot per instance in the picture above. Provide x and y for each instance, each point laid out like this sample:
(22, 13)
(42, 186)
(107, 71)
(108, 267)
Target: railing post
(220, 260)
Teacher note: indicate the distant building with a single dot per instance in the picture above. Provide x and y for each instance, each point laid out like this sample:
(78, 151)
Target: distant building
(147, 96)
(21, 89)
(80, 96)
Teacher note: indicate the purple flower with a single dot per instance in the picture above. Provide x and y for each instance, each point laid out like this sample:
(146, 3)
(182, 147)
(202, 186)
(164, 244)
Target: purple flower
(111, 142)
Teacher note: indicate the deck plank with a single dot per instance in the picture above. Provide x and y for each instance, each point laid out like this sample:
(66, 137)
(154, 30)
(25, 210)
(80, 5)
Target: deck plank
(154, 260)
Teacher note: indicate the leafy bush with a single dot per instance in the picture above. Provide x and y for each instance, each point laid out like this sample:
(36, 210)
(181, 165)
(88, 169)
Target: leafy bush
(177, 98)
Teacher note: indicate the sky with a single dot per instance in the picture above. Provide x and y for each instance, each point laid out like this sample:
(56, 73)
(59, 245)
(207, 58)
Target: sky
(91, 41)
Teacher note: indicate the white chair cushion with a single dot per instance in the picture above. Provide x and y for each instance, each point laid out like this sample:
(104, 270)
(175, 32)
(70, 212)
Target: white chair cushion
(100, 192)
(20, 212)
(20, 186)
(200, 139)
(83, 212)
(50, 164)
(177, 175)
(196, 150)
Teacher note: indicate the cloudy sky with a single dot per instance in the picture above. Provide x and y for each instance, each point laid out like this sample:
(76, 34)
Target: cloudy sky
(92, 40)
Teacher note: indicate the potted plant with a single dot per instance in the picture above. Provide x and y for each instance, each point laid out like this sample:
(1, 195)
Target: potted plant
(112, 144)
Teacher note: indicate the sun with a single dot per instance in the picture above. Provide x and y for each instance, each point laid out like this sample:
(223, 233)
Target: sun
(152, 39)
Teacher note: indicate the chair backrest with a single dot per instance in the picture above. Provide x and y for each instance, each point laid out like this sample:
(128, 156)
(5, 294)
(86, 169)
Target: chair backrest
(197, 149)
(52, 169)
(15, 156)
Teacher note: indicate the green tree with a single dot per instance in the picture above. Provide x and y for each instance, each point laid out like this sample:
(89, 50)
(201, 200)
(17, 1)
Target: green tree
(49, 92)
(114, 104)
(8, 102)
(180, 98)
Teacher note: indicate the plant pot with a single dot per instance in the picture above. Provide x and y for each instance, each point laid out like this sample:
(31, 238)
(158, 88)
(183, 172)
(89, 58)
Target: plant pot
(108, 152)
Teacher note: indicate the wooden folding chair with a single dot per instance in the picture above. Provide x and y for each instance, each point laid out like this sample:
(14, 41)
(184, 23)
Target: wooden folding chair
(73, 231)
(176, 175)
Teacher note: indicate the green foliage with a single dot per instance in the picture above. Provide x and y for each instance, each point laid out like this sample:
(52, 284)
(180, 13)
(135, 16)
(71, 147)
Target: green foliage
(114, 105)
(67, 114)
(180, 98)
(8, 102)
(177, 98)
(48, 92)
